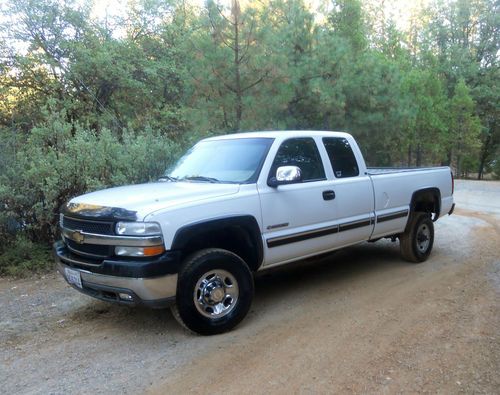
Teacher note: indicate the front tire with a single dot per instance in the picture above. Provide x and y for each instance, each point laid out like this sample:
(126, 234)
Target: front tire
(417, 241)
(214, 291)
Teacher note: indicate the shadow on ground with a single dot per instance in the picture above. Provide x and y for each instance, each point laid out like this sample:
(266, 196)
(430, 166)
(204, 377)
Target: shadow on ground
(271, 287)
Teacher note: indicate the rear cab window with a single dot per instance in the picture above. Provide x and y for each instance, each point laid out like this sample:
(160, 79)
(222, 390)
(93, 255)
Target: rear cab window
(341, 157)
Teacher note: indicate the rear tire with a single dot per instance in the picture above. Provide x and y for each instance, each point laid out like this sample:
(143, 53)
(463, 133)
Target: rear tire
(417, 241)
(214, 291)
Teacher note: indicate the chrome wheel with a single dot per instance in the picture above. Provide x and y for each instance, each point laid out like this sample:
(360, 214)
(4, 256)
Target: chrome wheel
(423, 237)
(216, 293)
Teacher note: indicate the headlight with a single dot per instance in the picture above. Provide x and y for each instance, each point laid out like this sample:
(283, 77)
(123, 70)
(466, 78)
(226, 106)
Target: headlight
(138, 228)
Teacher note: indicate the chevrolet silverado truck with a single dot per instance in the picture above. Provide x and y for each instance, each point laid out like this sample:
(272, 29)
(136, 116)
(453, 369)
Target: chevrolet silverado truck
(237, 204)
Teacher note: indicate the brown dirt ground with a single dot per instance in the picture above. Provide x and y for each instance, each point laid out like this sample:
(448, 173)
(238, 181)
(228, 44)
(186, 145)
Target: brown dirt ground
(357, 321)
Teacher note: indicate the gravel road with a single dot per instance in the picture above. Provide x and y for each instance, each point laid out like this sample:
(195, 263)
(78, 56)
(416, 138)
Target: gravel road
(357, 321)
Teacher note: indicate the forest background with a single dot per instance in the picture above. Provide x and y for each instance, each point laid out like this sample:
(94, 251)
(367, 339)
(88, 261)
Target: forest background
(93, 97)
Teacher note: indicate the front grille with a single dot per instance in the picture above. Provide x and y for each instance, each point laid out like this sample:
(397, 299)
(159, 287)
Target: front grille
(97, 227)
(95, 250)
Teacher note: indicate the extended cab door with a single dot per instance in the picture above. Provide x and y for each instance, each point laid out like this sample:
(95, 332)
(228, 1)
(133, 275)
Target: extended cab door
(353, 190)
(298, 219)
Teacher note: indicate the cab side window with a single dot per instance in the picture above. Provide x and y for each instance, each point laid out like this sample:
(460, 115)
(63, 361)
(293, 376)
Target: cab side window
(303, 153)
(342, 158)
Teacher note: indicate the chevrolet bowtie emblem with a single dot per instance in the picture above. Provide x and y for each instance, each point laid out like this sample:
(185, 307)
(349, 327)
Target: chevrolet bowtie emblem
(78, 236)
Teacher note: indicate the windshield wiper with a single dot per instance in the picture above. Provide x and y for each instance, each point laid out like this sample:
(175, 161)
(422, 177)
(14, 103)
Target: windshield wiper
(201, 178)
(167, 178)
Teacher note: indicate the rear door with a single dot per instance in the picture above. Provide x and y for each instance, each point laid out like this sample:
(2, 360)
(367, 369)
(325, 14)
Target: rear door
(353, 192)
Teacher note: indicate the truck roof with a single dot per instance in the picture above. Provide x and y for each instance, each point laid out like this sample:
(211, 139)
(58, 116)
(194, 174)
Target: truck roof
(279, 133)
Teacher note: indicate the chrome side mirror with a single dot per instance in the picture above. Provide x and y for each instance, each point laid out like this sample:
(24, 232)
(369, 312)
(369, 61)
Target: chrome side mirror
(285, 175)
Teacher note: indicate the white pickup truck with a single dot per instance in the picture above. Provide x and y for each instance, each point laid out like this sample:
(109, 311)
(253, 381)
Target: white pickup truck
(237, 204)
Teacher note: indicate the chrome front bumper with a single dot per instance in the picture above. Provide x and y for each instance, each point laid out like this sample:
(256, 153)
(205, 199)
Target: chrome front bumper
(154, 292)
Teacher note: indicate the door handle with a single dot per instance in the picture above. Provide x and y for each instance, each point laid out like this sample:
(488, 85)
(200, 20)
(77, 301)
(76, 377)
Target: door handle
(328, 195)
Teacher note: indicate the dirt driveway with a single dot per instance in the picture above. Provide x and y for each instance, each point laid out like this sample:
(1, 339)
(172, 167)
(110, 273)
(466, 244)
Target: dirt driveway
(358, 321)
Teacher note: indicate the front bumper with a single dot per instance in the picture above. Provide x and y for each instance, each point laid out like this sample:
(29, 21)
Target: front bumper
(151, 283)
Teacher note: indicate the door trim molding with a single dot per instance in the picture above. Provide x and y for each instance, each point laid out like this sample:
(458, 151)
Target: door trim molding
(325, 231)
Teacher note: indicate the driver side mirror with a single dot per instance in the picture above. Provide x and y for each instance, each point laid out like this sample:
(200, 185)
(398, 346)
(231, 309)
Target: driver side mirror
(285, 175)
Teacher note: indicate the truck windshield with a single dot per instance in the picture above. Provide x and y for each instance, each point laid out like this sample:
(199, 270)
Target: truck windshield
(227, 161)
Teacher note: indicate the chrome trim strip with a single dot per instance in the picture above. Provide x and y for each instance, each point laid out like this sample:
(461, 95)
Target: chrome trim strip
(283, 225)
(301, 236)
(77, 262)
(128, 241)
(391, 216)
(94, 256)
(355, 224)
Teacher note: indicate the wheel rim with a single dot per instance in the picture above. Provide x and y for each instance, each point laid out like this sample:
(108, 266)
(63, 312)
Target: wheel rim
(216, 293)
(423, 238)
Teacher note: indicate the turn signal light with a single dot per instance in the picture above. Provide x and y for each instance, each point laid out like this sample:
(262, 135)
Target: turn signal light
(156, 250)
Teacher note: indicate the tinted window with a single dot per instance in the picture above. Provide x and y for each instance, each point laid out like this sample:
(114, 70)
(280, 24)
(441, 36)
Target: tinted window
(341, 157)
(303, 153)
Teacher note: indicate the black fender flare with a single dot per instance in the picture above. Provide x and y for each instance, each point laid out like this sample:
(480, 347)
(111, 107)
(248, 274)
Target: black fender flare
(434, 192)
(247, 223)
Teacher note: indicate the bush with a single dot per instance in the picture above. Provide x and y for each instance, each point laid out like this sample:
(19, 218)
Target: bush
(22, 257)
(60, 160)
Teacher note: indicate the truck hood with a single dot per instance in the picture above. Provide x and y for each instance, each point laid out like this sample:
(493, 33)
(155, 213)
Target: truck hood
(137, 201)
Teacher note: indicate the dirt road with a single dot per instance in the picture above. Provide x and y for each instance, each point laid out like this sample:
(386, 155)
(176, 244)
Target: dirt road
(358, 321)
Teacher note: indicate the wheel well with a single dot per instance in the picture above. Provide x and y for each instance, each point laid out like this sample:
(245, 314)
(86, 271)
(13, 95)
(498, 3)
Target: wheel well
(428, 201)
(240, 235)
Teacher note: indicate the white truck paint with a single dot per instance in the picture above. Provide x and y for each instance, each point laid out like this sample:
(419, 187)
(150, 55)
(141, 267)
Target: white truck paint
(295, 220)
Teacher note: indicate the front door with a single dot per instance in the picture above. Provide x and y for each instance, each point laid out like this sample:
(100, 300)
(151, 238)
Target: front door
(298, 219)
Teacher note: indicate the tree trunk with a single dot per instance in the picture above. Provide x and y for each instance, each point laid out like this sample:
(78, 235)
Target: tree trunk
(326, 121)
(238, 92)
(484, 155)
(409, 155)
(458, 173)
(450, 156)
(419, 156)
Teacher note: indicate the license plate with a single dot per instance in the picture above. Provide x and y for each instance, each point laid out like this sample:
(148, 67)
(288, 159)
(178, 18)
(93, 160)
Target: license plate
(73, 277)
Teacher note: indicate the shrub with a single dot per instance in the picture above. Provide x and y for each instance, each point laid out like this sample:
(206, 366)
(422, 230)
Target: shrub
(22, 257)
(60, 160)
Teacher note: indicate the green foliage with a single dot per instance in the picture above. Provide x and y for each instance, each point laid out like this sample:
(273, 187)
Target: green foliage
(426, 127)
(87, 103)
(465, 38)
(465, 126)
(348, 22)
(21, 257)
(375, 108)
(60, 160)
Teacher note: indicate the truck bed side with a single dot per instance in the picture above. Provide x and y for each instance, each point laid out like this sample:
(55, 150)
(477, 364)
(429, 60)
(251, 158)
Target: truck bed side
(396, 189)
